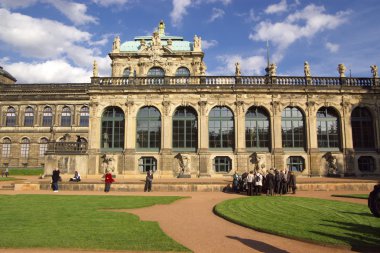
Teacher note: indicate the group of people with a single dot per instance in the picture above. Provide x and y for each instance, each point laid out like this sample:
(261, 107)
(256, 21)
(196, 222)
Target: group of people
(270, 183)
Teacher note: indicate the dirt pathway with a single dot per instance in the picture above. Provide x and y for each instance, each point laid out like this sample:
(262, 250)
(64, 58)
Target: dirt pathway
(192, 223)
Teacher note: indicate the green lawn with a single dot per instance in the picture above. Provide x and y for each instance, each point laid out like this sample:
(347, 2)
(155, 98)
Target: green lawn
(7, 179)
(83, 222)
(354, 196)
(320, 221)
(26, 172)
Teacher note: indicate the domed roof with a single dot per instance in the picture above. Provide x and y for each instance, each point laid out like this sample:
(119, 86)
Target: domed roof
(6, 74)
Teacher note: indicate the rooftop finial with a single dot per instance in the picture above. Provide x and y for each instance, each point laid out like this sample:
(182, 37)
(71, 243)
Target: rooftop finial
(161, 28)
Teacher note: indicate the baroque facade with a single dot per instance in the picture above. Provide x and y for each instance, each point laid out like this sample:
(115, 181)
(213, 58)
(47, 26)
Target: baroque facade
(159, 110)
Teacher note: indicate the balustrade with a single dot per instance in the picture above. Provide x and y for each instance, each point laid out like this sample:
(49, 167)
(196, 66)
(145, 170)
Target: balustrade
(67, 147)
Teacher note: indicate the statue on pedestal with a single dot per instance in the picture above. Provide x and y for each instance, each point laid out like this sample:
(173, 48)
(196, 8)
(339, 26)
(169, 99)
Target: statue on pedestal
(116, 45)
(306, 69)
(237, 69)
(374, 71)
(197, 43)
(272, 69)
(341, 70)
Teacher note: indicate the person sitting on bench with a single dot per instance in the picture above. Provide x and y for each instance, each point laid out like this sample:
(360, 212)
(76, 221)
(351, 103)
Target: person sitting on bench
(76, 177)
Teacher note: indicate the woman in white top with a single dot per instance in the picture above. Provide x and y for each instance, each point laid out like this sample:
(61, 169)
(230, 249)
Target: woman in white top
(250, 178)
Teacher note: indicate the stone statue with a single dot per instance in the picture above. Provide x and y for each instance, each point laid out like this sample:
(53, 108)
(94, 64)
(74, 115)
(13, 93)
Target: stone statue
(184, 165)
(306, 69)
(161, 28)
(331, 163)
(237, 69)
(95, 72)
(272, 69)
(116, 44)
(170, 42)
(202, 68)
(52, 134)
(341, 70)
(374, 71)
(156, 41)
(197, 43)
(258, 161)
(107, 164)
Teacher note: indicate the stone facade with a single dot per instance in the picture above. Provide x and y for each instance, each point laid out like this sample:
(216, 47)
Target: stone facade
(167, 73)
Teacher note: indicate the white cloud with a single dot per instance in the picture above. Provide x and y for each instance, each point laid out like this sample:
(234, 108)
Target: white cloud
(333, 48)
(107, 3)
(225, 2)
(277, 8)
(206, 44)
(73, 11)
(251, 65)
(216, 13)
(12, 4)
(302, 24)
(179, 11)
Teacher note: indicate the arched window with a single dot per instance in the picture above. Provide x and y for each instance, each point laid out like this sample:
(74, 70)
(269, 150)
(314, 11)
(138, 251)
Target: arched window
(182, 72)
(362, 129)
(293, 133)
(126, 72)
(328, 128)
(66, 117)
(185, 129)
(221, 128)
(43, 146)
(147, 164)
(296, 163)
(113, 128)
(156, 76)
(84, 116)
(222, 164)
(25, 145)
(257, 132)
(29, 116)
(366, 164)
(11, 117)
(6, 151)
(148, 128)
(47, 116)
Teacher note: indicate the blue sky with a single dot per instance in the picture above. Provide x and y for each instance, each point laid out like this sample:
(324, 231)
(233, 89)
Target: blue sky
(57, 40)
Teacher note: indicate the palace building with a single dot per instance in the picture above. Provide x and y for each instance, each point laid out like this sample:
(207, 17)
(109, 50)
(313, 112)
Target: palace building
(158, 110)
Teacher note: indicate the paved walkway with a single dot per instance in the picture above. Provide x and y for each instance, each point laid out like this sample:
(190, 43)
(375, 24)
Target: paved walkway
(192, 223)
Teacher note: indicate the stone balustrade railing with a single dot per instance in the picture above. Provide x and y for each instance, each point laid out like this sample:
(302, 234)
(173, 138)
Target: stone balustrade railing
(67, 147)
(237, 81)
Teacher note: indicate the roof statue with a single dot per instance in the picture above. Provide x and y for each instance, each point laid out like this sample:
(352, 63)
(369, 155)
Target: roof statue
(161, 28)
(156, 41)
(95, 69)
(306, 69)
(237, 69)
(272, 69)
(116, 45)
(197, 43)
(374, 71)
(202, 68)
(341, 70)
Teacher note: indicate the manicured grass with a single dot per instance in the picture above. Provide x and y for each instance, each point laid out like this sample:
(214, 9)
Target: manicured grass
(7, 179)
(320, 221)
(83, 222)
(355, 196)
(26, 172)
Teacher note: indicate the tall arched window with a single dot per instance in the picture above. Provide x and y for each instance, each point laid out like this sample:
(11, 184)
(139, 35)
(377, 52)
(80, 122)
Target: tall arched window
(328, 128)
(182, 72)
(10, 117)
(25, 145)
(29, 116)
(293, 133)
(66, 116)
(43, 146)
(185, 129)
(113, 128)
(47, 116)
(84, 116)
(156, 76)
(148, 128)
(257, 132)
(6, 151)
(221, 128)
(362, 129)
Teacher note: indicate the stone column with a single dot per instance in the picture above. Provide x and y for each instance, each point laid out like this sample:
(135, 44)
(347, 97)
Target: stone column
(37, 115)
(56, 116)
(166, 140)
(312, 140)
(347, 144)
(239, 127)
(130, 139)
(204, 155)
(94, 139)
(377, 129)
(277, 150)
(19, 116)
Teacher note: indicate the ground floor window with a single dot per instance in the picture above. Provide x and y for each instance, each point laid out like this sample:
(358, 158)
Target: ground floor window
(296, 163)
(222, 164)
(147, 163)
(366, 164)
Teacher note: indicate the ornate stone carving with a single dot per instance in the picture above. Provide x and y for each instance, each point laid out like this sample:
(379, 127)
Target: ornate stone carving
(184, 163)
(240, 107)
(197, 43)
(331, 163)
(272, 69)
(156, 40)
(346, 106)
(237, 69)
(341, 70)
(374, 71)
(202, 106)
(116, 45)
(166, 105)
(306, 69)
(276, 107)
(93, 104)
(258, 161)
(311, 106)
(202, 68)
(130, 107)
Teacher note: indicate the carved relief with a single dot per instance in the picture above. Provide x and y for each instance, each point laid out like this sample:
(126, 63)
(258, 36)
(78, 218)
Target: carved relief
(346, 106)
(130, 106)
(166, 105)
(202, 107)
(240, 107)
(276, 107)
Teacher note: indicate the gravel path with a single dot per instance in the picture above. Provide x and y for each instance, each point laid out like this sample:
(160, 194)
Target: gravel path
(191, 222)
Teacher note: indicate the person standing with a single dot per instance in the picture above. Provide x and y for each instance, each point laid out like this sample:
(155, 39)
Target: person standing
(235, 182)
(250, 183)
(108, 180)
(55, 178)
(258, 183)
(270, 183)
(148, 181)
(292, 182)
(6, 172)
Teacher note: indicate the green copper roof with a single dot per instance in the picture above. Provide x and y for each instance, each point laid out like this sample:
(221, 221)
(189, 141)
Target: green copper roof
(178, 44)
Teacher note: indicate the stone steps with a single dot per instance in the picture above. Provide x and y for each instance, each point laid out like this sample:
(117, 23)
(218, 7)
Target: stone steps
(10, 187)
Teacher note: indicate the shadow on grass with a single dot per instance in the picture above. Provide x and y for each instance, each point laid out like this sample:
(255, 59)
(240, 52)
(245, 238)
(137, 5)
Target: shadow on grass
(257, 245)
(362, 238)
(368, 214)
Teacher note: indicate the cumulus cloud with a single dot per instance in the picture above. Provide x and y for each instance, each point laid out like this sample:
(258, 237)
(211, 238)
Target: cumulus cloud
(107, 3)
(251, 65)
(277, 8)
(333, 48)
(12, 4)
(216, 13)
(206, 44)
(179, 11)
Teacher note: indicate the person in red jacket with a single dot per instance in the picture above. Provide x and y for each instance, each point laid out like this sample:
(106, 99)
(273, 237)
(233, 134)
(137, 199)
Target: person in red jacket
(108, 181)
